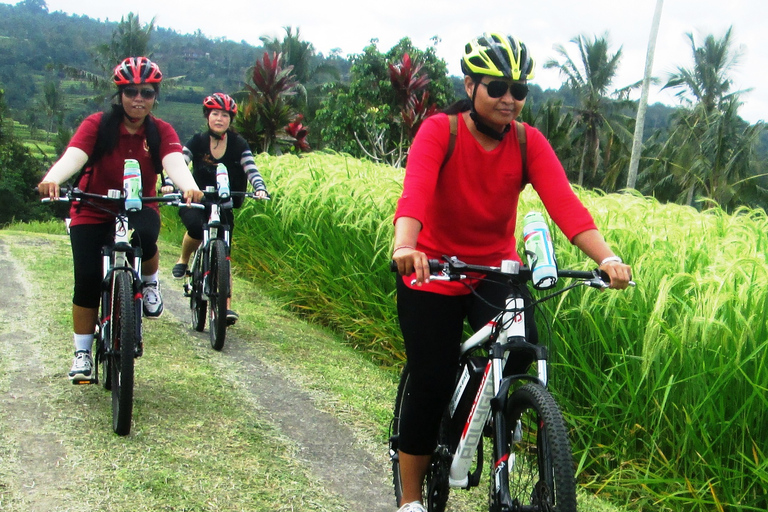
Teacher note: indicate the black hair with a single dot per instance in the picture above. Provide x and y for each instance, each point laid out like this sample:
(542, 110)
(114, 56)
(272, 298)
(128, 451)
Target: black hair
(458, 107)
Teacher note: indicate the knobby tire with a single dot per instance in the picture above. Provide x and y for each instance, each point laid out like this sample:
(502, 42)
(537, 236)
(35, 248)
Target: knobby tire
(122, 351)
(197, 302)
(541, 469)
(218, 293)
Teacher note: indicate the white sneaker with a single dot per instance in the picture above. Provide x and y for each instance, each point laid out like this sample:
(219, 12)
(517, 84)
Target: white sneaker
(152, 300)
(82, 366)
(414, 506)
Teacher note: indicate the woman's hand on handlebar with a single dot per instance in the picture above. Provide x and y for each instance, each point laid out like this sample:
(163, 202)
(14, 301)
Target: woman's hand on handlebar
(409, 260)
(48, 189)
(619, 273)
(193, 196)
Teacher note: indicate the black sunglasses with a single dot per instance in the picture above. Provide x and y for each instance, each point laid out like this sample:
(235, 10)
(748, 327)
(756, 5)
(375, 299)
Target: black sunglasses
(498, 88)
(147, 94)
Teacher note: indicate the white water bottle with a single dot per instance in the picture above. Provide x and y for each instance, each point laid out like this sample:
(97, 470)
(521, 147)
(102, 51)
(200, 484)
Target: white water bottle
(132, 185)
(222, 181)
(540, 251)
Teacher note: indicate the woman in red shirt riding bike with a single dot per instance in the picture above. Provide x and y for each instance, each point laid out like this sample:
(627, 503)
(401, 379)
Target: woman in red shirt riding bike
(100, 146)
(466, 206)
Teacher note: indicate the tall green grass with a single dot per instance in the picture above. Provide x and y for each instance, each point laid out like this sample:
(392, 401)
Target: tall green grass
(664, 385)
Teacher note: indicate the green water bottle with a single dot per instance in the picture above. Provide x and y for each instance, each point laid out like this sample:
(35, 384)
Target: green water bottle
(132, 185)
(539, 251)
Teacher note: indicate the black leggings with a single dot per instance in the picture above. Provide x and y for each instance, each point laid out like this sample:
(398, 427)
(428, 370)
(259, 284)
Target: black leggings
(432, 327)
(195, 218)
(87, 241)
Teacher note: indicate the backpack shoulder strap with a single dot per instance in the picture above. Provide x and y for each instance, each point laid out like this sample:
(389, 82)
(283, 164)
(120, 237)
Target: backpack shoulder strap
(153, 142)
(453, 123)
(522, 141)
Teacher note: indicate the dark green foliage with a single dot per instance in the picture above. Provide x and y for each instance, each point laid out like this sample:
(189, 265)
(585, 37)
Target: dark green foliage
(20, 172)
(368, 107)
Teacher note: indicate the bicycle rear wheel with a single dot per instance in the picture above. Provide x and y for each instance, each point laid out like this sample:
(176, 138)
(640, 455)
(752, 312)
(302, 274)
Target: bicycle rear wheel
(436, 488)
(197, 303)
(541, 471)
(218, 292)
(122, 351)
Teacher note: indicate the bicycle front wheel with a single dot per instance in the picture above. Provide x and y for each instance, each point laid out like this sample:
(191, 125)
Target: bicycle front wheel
(197, 303)
(122, 351)
(541, 471)
(218, 280)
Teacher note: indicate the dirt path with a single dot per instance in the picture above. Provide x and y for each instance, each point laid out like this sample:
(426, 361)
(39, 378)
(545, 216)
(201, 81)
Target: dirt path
(40, 476)
(327, 447)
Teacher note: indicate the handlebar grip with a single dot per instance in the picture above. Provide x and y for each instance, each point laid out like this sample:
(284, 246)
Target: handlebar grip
(434, 266)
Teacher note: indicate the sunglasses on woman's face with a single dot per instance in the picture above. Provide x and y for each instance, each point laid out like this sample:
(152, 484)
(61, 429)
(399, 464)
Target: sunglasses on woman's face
(132, 92)
(498, 88)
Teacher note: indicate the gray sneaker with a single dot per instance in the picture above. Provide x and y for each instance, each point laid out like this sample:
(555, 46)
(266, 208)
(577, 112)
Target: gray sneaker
(152, 300)
(82, 366)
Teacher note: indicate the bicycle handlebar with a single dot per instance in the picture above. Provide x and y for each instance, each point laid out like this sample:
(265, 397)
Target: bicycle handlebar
(75, 194)
(453, 269)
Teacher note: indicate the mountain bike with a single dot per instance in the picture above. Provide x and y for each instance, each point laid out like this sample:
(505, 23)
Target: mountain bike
(118, 336)
(495, 397)
(209, 277)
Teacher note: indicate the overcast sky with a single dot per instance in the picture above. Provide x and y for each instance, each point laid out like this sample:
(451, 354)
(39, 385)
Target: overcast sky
(350, 25)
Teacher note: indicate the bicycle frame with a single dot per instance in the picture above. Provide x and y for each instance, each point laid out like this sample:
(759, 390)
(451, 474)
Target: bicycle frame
(115, 258)
(509, 326)
(211, 228)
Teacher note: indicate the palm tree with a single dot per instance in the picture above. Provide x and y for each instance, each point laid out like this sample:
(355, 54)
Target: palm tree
(713, 148)
(129, 39)
(708, 82)
(590, 78)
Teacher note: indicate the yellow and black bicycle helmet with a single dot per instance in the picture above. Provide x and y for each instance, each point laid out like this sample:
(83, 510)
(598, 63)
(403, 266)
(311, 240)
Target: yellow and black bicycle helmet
(499, 55)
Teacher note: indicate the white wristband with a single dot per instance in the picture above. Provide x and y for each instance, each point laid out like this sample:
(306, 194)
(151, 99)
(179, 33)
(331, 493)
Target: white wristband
(610, 259)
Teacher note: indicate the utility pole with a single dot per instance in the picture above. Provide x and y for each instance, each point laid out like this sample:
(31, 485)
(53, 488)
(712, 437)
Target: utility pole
(637, 143)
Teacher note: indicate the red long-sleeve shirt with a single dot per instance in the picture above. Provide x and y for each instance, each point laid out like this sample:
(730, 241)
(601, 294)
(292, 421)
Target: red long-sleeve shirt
(468, 208)
(107, 173)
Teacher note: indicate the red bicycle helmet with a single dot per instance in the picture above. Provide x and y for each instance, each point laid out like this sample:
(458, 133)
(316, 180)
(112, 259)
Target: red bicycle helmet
(137, 70)
(220, 101)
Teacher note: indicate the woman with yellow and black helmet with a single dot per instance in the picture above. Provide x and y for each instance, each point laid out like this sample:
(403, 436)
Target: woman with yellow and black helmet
(463, 179)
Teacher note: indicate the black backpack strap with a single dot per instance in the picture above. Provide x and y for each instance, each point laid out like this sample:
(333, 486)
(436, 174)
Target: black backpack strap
(453, 122)
(153, 142)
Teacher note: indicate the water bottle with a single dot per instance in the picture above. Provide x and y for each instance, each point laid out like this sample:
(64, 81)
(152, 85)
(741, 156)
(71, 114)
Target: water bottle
(539, 251)
(222, 181)
(132, 185)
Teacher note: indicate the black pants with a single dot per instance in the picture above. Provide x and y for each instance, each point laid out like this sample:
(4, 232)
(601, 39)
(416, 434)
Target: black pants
(432, 327)
(87, 241)
(195, 218)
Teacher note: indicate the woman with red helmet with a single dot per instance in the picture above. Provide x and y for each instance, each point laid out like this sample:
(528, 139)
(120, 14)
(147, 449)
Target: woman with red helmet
(221, 144)
(99, 148)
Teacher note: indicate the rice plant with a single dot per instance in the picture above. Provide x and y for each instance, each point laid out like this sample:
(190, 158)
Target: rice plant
(664, 385)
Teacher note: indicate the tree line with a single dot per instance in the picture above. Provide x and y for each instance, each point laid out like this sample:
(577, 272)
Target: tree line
(371, 104)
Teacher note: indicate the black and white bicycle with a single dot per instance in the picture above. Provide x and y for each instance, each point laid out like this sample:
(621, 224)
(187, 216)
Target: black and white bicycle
(118, 337)
(532, 469)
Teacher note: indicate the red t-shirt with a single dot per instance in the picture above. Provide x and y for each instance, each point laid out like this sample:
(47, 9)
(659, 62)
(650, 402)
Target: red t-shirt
(107, 173)
(468, 209)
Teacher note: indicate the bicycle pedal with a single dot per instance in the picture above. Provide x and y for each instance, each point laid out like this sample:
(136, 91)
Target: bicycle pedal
(80, 381)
